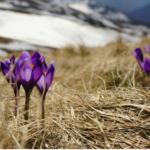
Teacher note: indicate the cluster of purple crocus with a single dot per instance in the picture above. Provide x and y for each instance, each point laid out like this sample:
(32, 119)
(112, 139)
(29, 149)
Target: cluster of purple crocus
(28, 71)
(143, 63)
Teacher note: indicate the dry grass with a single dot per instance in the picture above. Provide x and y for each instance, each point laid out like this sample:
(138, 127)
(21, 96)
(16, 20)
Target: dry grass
(99, 99)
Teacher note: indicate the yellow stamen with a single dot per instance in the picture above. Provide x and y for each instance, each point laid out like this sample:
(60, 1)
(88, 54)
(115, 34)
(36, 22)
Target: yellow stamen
(32, 65)
(45, 73)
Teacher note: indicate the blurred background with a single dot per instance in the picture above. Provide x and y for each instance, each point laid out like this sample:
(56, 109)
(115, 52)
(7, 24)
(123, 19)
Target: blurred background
(47, 25)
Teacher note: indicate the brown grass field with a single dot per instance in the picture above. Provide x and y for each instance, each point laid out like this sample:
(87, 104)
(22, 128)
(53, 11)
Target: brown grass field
(99, 98)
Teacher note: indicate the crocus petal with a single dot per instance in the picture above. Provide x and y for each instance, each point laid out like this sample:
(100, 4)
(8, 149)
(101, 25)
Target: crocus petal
(25, 71)
(45, 68)
(138, 54)
(141, 65)
(35, 56)
(44, 65)
(5, 71)
(41, 84)
(17, 69)
(147, 65)
(5, 68)
(36, 73)
(16, 74)
(7, 62)
(25, 75)
(42, 58)
(12, 59)
(16, 60)
(147, 48)
(50, 74)
(24, 56)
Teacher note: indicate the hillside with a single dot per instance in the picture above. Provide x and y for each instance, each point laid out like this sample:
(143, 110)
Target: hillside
(98, 11)
(99, 98)
(126, 6)
(141, 14)
(44, 25)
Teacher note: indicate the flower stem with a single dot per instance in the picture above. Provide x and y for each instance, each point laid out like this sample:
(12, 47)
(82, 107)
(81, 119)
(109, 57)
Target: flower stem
(26, 115)
(43, 108)
(16, 105)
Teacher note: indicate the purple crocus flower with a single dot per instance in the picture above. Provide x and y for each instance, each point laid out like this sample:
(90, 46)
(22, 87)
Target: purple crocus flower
(147, 48)
(8, 69)
(45, 81)
(147, 66)
(29, 70)
(139, 56)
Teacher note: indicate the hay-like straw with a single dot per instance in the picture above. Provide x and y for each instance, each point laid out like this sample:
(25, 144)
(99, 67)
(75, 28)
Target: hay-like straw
(99, 99)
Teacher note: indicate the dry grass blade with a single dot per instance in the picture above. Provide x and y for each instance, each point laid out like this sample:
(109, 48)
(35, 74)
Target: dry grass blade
(143, 107)
(67, 132)
(18, 145)
(98, 111)
(101, 129)
(88, 141)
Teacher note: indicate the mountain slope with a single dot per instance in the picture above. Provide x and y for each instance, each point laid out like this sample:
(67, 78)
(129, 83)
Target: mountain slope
(142, 14)
(54, 31)
(97, 18)
(122, 5)
(125, 5)
(60, 24)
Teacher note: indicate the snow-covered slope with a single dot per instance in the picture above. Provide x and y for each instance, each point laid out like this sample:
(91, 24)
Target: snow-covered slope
(81, 7)
(97, 9)
(90, 12)
(55, 25)
(54, 31)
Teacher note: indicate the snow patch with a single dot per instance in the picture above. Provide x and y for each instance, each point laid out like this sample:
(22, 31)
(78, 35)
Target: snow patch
(53, 31)
(81, 7)
(5, 5)
(117, 16)
(15, 45)
(3, 53)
